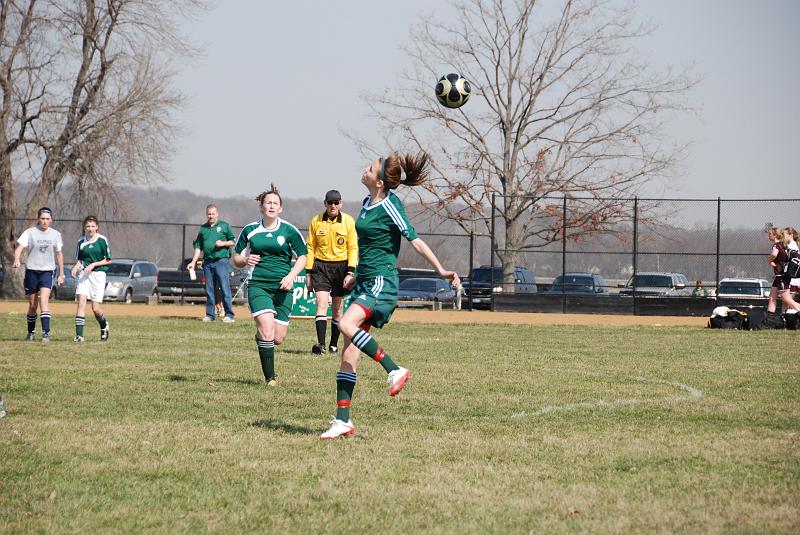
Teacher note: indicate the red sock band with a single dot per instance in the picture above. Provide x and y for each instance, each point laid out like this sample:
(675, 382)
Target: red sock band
(343, 403)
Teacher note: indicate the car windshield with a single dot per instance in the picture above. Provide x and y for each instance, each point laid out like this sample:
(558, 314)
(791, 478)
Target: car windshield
(740, 288)
(118, 269)
(652, 281)
(427, 285)
(578, 283)
(485, 275)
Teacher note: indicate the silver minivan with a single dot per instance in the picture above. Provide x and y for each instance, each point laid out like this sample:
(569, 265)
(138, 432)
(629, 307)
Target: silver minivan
(130, 280)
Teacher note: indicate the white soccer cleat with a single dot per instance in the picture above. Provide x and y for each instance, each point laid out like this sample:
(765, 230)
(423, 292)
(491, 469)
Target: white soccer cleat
(339, 429)
(397, 380)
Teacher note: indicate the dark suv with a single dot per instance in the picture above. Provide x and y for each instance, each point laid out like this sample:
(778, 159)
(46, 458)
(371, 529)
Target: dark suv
(481, 280)
(579, 284)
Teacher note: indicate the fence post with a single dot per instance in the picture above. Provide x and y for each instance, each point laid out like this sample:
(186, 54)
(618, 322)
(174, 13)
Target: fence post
(564, 257)
(491, 259)
(635, 247)
(180, 262)
(716, 277)
(471, 260)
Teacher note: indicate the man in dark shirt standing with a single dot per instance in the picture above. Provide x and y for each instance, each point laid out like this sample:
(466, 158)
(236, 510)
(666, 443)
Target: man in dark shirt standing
(214, 241)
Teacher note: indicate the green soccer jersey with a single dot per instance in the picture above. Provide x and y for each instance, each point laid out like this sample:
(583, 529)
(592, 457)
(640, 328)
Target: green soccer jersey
(277, 247)
(93, 250)
(208, 236)
(379, 229)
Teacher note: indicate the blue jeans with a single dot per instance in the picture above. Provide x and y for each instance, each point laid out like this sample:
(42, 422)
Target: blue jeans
(217, 274)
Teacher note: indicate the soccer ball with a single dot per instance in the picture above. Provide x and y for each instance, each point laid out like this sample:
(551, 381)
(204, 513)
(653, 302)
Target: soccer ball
(453, 90)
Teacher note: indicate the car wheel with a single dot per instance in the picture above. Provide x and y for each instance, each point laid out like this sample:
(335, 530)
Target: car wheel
(129, 296)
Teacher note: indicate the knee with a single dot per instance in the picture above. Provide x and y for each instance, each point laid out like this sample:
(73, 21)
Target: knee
(347, 327)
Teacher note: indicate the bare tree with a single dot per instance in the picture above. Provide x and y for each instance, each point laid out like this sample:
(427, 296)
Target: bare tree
(86, 99)
(562, 106)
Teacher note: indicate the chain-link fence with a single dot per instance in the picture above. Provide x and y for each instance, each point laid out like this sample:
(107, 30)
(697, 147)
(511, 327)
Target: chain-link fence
(691, 244)
(705, 240)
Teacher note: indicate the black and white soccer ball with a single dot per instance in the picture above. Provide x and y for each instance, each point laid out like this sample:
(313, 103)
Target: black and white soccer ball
(453, 90)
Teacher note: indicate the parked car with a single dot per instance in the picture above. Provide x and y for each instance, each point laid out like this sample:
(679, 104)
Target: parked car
(578, 284)
(481, 279)
(176, 284)
(67, 289)
(130, 280)
(657, 284)
(426, 289)
(743, 288)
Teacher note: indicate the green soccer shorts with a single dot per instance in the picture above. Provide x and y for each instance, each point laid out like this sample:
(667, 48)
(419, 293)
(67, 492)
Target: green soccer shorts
(377, 296)
(269, 299)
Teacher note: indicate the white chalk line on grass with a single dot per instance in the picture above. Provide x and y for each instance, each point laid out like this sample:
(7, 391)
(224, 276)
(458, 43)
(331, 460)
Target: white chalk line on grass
(693, 394)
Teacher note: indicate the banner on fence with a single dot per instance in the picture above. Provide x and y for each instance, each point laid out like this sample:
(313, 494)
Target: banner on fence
(304, 303)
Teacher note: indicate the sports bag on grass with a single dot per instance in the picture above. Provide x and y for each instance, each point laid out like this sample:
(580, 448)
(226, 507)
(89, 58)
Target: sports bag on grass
(773, 320)
(728, 318)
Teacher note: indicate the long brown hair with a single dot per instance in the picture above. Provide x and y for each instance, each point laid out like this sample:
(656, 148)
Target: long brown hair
(273, 190)
(414, 166)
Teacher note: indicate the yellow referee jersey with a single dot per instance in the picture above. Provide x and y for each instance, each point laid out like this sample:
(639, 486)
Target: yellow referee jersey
(332, 240)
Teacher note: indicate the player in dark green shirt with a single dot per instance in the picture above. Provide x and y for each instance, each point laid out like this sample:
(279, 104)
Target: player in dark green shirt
(275, 252)
(93, 257)
(380, 225)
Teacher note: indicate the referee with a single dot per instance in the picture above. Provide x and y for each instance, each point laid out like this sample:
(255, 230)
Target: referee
(330, 264)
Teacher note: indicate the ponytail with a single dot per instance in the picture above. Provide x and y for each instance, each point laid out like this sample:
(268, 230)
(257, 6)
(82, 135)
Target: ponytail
(415, 168)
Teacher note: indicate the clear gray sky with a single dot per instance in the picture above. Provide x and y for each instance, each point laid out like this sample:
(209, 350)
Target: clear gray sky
(278, 80)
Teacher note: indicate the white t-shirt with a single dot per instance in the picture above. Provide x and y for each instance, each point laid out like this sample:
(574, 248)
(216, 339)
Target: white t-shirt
(42, 248)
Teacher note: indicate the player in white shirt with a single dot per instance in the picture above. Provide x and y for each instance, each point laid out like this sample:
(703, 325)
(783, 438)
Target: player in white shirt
(44, 247)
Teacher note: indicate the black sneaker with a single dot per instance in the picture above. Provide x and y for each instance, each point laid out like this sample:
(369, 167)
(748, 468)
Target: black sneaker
(318, 349)
(104, 334)
(333, 349)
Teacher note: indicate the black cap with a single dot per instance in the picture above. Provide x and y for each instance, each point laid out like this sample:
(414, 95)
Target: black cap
(333, 195)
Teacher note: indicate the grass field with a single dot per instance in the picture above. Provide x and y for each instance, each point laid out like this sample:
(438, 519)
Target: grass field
(505, 429)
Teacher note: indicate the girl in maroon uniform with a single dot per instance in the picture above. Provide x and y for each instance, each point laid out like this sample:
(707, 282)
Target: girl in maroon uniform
(781, 282)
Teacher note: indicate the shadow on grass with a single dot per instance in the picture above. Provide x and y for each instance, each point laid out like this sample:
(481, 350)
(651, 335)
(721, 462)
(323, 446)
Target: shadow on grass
(177, 378)
(281, 426)
(237, 380)
(248, 381)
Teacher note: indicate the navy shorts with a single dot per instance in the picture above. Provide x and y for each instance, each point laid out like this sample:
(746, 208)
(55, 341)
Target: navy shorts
(34, 280)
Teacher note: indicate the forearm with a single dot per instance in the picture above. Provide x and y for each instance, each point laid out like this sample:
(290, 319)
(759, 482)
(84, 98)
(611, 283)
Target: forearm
(425, 252)
(100, 263)
(18, 253)
(299, 265)
(238, 260)
(60, 261)
(196, 256)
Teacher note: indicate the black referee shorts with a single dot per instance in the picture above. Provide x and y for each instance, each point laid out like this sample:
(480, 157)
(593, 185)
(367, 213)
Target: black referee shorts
(329, 277)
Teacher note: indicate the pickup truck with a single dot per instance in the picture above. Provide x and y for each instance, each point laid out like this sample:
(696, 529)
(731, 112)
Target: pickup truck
(177, 284)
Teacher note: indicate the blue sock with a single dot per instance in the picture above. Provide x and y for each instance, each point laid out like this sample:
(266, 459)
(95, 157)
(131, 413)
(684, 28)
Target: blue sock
(46, 322)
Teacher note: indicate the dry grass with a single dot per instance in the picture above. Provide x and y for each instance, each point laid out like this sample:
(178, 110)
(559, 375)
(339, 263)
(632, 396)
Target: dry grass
(167, 429)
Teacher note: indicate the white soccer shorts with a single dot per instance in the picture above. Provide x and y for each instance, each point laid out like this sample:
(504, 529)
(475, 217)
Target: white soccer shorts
(92, 285)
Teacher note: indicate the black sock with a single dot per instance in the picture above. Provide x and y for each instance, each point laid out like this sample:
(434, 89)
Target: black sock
(31, 323)
(335, 333)
(321, 324)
